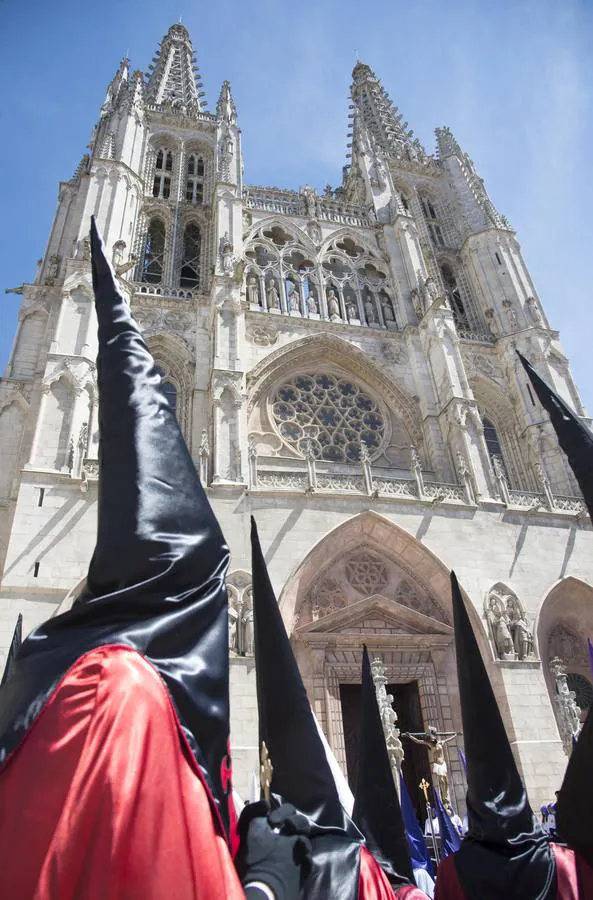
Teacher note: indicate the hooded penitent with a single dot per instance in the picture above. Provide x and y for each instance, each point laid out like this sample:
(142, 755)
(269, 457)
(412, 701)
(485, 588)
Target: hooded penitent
(419, 855)
(302, 775)
(156, 581)
(377, 810)
(450, 840)
(575, 439)
(505, 852)
(574, 808)
(15, 645)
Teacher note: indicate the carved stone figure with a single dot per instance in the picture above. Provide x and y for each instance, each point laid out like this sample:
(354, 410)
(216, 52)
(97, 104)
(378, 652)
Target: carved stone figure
(310, 200)
(416, 303)
(535, 312)
(520, 633)
(253, 291)
(312, 305)
(351, 310)
(272, 295)
(511, 314)
(246, 630)
(370, 311)
(501, 479)
(465, 478)
(294, 300)
(333, 306)
(499, 622)
(435, 742)
(387, 311)
(232, 629)
(569, 714)
(314, 231)
(395, 748)
(431, 291)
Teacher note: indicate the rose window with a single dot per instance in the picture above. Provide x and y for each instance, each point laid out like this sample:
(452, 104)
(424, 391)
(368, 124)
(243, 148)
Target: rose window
(366, 573)
(328, 417)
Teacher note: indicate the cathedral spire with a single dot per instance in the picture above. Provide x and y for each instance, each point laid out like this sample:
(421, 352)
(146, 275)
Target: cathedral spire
(375, 113)
(116, 85)
(173, 76)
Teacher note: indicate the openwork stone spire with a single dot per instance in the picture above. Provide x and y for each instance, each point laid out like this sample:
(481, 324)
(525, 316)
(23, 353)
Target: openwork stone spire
(173, 77)
(374, 112)
(225, 108)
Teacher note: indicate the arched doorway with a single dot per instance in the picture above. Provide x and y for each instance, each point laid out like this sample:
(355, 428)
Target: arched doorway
(369, 581)
(564, 624)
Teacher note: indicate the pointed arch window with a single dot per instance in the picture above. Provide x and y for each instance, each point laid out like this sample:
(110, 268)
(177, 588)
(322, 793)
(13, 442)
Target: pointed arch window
(196, 172)
(190, 263)
(432, 221)
(454, 296)
(161, 185)
(493, 444)
(168, 388)
(153, 260)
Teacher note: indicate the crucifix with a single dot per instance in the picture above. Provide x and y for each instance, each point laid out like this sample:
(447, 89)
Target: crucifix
(435, 741)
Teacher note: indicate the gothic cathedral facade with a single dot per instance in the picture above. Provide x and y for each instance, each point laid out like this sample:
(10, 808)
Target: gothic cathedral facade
(342, 364)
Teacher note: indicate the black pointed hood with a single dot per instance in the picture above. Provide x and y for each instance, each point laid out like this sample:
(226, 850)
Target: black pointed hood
(377, 810)
(575, 438)
(505, 848)
(574, 809)
(15, 646)
(156, 581)
(302, 775)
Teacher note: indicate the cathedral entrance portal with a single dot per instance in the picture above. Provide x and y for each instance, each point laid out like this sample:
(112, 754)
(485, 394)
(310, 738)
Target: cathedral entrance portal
(371, 582)
(406, 703)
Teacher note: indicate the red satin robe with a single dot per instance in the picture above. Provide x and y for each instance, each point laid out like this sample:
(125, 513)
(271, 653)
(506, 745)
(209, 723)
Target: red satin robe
(574, 878)
(374, 885)
(103, 799)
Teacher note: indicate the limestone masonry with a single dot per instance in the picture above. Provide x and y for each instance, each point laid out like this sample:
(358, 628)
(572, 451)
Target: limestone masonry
(343, 368)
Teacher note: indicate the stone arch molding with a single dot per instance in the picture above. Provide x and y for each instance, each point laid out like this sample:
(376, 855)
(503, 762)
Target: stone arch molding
(386, 540)
(298, 234)
(511, 634)
(564, 623)
(343, 356)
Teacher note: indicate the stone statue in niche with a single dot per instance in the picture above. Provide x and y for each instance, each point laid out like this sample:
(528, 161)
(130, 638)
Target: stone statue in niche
(370, 311)
(246, 629)
(312, 305)
(333, 306)
(387, 308)
(499, 622)
(272, 295)
(253, 291)
(227, 259)
(520, 632)
(294, 299)
(351, 310)
(232, 629)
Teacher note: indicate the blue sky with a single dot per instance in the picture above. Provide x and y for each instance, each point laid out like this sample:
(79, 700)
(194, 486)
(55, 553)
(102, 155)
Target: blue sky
(513, 79)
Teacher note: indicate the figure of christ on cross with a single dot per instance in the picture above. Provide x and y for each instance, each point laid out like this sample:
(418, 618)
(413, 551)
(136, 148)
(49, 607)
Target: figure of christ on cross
(435, 741)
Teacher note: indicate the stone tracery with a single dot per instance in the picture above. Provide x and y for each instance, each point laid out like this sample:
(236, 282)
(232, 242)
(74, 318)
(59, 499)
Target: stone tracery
(344, 283)
(330, 415)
